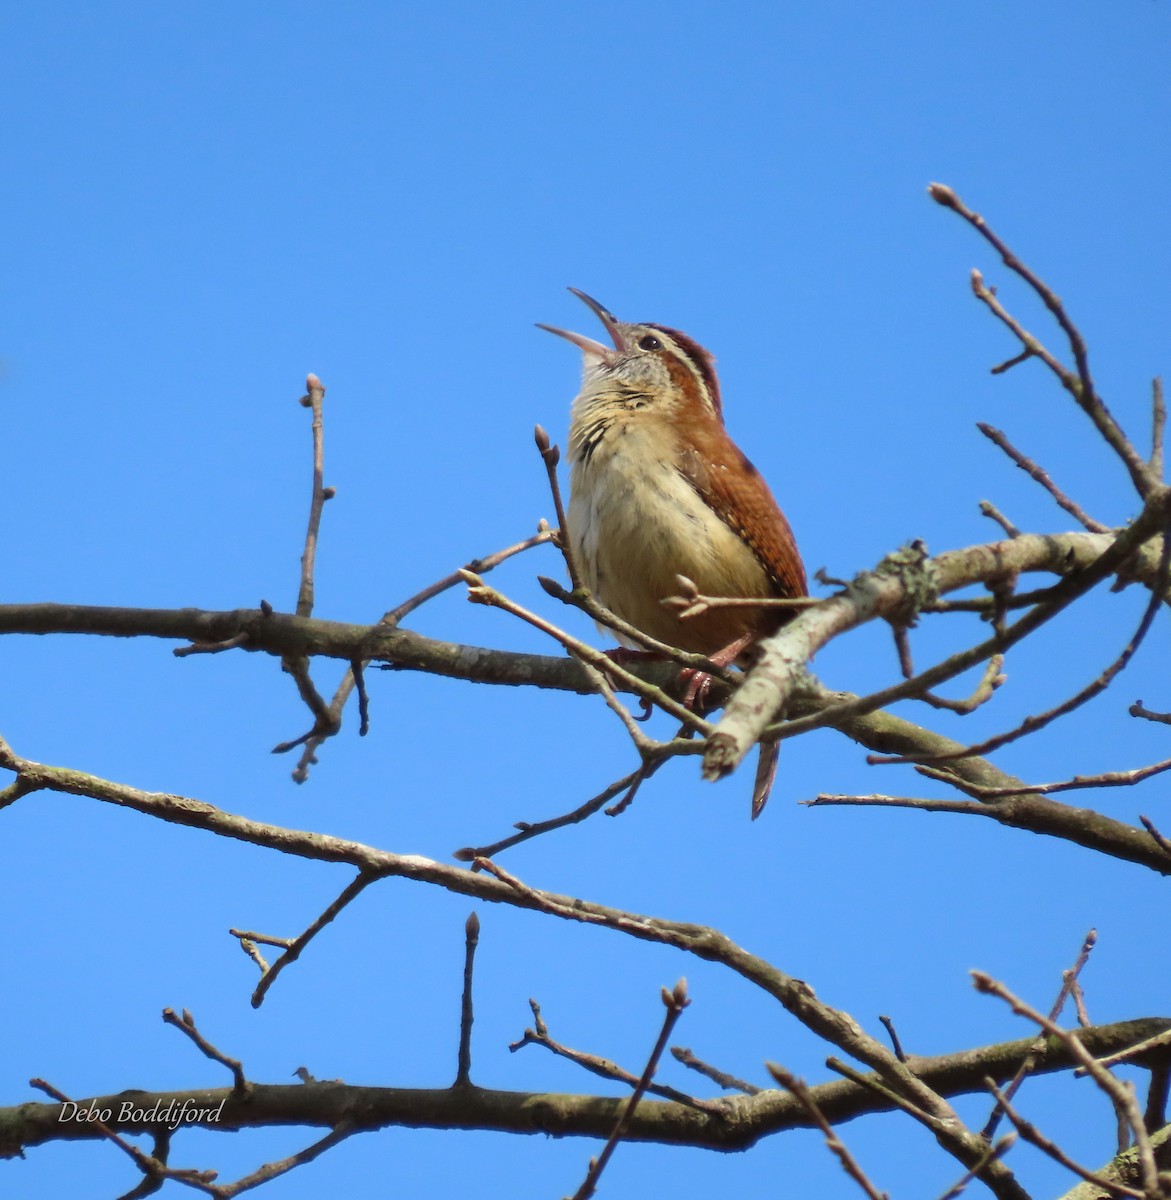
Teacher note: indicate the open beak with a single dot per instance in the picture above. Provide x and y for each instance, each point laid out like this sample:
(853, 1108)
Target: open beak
(587, 345)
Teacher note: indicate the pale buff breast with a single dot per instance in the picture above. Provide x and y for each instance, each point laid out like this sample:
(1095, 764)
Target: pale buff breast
(635, 523)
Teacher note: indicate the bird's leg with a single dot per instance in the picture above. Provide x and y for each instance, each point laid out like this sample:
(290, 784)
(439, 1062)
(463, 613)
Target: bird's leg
(699, 682)
(697, 689)
(698, 685)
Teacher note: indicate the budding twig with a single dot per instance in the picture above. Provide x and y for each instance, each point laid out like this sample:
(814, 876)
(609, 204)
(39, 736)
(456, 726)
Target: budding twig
(467, 1017)
(675, 1001)
(538, 1035)
(186, 1024)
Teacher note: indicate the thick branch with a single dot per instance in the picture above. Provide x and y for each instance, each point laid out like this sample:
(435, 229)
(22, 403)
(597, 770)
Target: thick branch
(734, 1123)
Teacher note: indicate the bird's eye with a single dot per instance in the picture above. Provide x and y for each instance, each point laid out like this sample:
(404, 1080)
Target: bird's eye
(650, 342)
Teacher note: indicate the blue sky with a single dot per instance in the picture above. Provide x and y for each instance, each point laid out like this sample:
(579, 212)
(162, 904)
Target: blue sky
(203, 203)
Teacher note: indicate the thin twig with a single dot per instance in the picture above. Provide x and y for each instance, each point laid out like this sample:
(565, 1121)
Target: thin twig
(988, 604)
(675, 1002)
(1079, 1004)
(531, 829)
(358, 673)
(467, 1017)
(589, 604)
(273, 1170)
(995, 1151)
(480, 593)
(186, 1024)
(313, 400)
(895, 1044)
(989, 510)
(683, 1055)
(1051, 818)
(644, 745)
(481, 566)
(871, 1084)
(1137, 710)
(1079, 385)
(240, 639)
(267, 939)
(984, 690)
(1068, 982)
(791, 1083)
(324, 721)
(551, 456)
(1041, 476)
(1009, 363)
(1035, 1137)
(1155, 1114)
(690, 602)
(604, 1068)
(1121, 1094)
(358, 885)
(903, 649)
(250, 948)
(1158, 427)
(1106, 779)
(16, 789)
(1156, 836)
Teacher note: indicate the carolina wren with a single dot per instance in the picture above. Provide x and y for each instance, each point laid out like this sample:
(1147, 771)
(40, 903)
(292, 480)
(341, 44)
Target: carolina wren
(659, 489)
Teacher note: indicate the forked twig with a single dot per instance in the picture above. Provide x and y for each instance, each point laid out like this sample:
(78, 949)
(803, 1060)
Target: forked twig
(153, 1170)
(1032, 724)
(1041, 476)
(1078, 383)
(186, 1024)
(538, 1035)
(295, 947)
(989, 510)
(626, 787)
(328, 727)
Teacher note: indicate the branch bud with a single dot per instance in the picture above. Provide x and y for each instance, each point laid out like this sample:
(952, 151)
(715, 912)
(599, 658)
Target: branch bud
(942, 194)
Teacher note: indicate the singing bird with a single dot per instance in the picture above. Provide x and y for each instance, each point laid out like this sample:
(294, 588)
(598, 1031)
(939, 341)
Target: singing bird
(659, 489)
